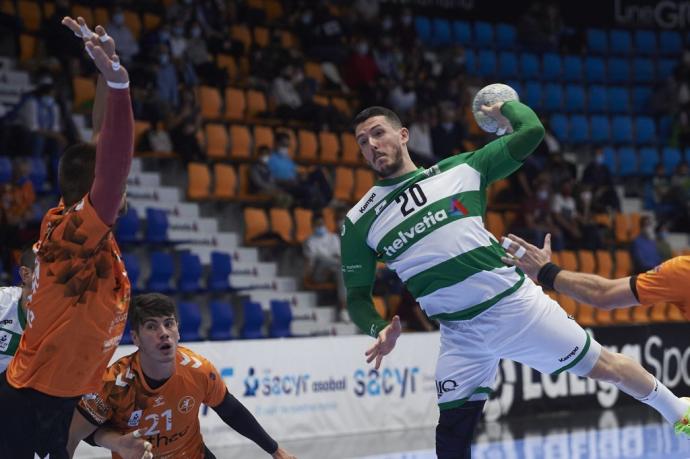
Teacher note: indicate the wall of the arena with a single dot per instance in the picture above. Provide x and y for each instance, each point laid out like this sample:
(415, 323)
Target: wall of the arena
(310, 387)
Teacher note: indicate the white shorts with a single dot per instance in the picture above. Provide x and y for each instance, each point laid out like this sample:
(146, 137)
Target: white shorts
(527, 327)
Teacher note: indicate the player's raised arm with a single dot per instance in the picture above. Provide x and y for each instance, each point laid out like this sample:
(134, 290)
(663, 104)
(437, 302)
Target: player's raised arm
(528, 132)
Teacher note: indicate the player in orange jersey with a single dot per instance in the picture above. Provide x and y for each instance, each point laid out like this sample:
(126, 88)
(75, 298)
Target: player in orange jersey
(80, 292)
(666, 283)
(158, 391)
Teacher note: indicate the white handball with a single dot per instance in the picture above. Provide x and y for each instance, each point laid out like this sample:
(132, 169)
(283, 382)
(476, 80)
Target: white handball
(490, 95)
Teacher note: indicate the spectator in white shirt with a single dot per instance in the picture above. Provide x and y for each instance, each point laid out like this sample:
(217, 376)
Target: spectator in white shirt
(127, 46)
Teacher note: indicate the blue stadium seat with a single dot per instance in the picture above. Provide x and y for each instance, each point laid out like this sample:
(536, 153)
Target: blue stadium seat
(517, 86)
(470, 61)
(578, 130)
(641, 98)
(127, 335)
(643, 70)
(619, 70)
(687, 155)
(595, 70)
(38, 174)
(222, 319)
(529, 66)
(5, 170)
(533, 95)
(620, 42)
(645, 42)
(190, 321)
(645, 130)
(462, 32)
(666, 67)
(487, 63)
(253, 320)
(127, 227)
(574, 98)
(507, 64)
(483, 33)
(221, 267)
(559, 125)
(551, 66)
(441, 35)
(627, 162)
(156, 226)
(133, 269)
(597, 99)
(423, 27)
(649, 158)
(597, 41)
(572, 68)
(600, 129)
(506, 36)
(670, 42)
(190, 273)
(553, 97)
(610, 160)
(670, 157)
(618, 100)
(162, 268)
(621, 129)
(665, 124)
(281, 317)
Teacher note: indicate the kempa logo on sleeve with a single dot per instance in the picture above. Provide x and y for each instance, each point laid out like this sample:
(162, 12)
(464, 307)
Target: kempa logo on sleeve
(414, 231)
(366, 203)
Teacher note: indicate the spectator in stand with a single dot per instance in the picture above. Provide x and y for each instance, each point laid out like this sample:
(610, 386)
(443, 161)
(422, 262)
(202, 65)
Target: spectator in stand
(564, 213)
(360, 69)
(322, 254)
(644, 251)
(262, 182)
(560, 170)
(17, 198)
(454, 62)
(679, 196)
(534, 220)
(157, 139)
(126, 43)
(420, 144)
(598, 177)
(40, 113)
(403, 97)
(447, 136)
(405, 30)
(329, 37)
(166, 80)
(198, 56)
(388, 59)
(184, 124)
(58, 40)
(662, 244)
(178, 40)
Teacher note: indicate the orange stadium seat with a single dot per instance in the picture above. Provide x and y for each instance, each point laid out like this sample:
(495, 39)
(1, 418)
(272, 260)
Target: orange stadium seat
(494, 224)
(133, 22)
(240, 142)
(288, 39)
(675, 314)
(568, 304)
(256, 103)
(84, 89)
(587, 264)
(210, 101)
(27, 47)
(256, 227)
(640, 314)
(216, 141)
(227, 62)
(622, 231)
(242, 34)
(308, 145)
(569, 260)
(344, 182)
(262, 37)
(281, 223)
(658, 312)
(313, 70)
(556, 258)
(151, 21)
(263, 137)
(364, 180)
(274, 10)
(623, 264)
(87, 13)
(329, 219)
(603, 220)
(634, 224)
(329, 147)
(509, 217)
(585, 315)
(303, 227)
(604, 263)
(342, 106)
(7, 7)
(225, 185)
(101, 16)
(321, 100)
(495, 188)
(30, 14)
(622, 315)
(380, 306)
(140, 127)
(351, 154)
(198, 181)
(235, 104)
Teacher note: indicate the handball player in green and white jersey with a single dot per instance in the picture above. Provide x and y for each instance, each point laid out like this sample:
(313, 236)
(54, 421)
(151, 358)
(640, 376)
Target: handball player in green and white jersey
(427, 225)
(13, 309)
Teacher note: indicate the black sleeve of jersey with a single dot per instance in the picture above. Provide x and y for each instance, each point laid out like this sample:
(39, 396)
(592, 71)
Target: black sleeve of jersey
(237, 416)
(633, 286)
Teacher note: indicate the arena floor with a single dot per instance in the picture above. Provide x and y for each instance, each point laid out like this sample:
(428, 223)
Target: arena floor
(634, 432)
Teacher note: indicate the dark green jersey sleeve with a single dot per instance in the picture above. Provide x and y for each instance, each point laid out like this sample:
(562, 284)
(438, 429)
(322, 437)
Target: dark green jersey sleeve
(503, 156)
(359, 271)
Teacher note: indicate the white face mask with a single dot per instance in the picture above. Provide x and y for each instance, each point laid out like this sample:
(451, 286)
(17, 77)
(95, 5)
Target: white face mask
(362, 48)
(196, 32)
(320, 231)
(542, 195)
(119, 19)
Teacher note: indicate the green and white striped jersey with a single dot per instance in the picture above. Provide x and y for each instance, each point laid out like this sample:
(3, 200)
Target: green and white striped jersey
(428, 227)
(12, 322)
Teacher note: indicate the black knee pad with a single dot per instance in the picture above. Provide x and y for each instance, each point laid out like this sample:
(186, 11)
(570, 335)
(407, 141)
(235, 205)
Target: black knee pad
(455, 430)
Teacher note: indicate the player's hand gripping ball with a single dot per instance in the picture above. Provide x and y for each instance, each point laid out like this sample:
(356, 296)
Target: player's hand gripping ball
(490, 95)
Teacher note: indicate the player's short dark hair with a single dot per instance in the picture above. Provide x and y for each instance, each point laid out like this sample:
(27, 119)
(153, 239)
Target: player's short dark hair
(148, 306)
(28, 258)
(370, 112)
(76, 172)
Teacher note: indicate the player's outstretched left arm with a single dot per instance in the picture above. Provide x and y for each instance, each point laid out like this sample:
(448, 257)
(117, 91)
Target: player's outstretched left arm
(237, 416)
(587, 288)
(527, 130)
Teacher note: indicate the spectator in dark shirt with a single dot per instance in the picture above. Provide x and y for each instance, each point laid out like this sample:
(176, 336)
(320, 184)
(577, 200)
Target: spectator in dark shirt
(645, 253)
(598, 177)
(447, 136)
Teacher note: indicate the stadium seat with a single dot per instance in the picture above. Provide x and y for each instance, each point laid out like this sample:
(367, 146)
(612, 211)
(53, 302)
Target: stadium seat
(595, 70)
(609, 155)
(151, 21)
(572, 68)
(364, 180)
(623, 263)
(568, 304)
(533, 95)
(84, 90)
(507, 64)
(344, 183)
(649, 158)
(328, 147)
(597, 41)
(645, 42)
(462, 32)
(30, 14)
(253, 320)
(618, 70)
(216, 140)
(156, 226)
(27, 47)
(303, 227)
(240, 143)
(645, 130)
(470, 62)
(620, 42)
(329, 219)
(190, 321)
(210, 102)
(597, 99)
(529, 66)
(666, 67)
(281, 223)
(578, 133)
(263, 137)
(198, 181)
(670, 157)
(221, 267)
(256, 227)
(551, 66)
(587, 261)
(308, 145)
(257, 105)
(281, 318)
(133, 269)
(574, 98)
(670, 42)
(618, 100)
(190, 273)
(506, 36)
(569, 260)
(600, 130)
(241, 33)
(261, 37)
(127, 227)
(621, 129)
(162, 268)
(604, 263)
(643, 70)
(235, 104)
(641, 98)
(494, 224)
(423, 27)
(225, 183)
(627, 162)
(222, 319)
(5, 170)
(559, 126)
(487, 63)
(133, 22)
(553, 97)
(517, 86)
(687, 157)
(38, 174)
(350, 149)
(441, 32)
(483, 34)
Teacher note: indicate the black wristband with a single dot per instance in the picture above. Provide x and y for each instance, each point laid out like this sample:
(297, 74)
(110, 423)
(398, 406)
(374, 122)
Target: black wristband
(547, 275)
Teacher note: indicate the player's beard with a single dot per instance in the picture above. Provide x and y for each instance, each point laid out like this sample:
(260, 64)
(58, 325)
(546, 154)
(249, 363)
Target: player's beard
(395, 164)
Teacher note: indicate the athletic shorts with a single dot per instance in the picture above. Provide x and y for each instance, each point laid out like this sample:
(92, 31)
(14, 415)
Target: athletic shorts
(526, 327)
(36, 425)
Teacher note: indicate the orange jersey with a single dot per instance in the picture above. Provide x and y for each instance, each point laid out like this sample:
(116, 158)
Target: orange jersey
(168, 416)
(667, 283)
(78, 306)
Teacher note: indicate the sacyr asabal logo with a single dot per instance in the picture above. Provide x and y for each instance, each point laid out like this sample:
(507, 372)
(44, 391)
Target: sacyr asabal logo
(186, 404)
(270, 384)
(398, 382)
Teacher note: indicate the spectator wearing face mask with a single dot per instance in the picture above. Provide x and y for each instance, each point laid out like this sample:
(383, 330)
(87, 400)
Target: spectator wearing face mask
(198, 56)
(178, 41)
(40, 113)
(644, 250)
(127, 46)
(598, 177)
(166, 80)
(360, 67)
(261, 180)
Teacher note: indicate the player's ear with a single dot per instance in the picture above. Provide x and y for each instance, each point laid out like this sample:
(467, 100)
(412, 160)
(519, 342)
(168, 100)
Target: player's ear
(135, 337)
(404, 135)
